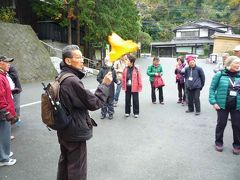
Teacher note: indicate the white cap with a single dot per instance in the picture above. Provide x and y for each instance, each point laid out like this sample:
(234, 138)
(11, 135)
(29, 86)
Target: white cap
(237, 48)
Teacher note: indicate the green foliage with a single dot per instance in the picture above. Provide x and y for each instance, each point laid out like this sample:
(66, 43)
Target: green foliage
(165, 15)
(54, 10)
(98, 18)
(145, 40)
(7, 14)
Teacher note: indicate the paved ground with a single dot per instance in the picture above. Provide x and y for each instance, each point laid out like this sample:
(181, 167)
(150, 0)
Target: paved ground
(164, 143)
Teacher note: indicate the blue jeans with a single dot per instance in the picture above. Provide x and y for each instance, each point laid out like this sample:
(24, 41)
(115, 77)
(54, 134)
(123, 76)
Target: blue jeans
(117, 92)
(5, 133)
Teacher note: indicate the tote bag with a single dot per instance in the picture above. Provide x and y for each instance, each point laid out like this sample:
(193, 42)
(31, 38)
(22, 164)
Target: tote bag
(158, 82)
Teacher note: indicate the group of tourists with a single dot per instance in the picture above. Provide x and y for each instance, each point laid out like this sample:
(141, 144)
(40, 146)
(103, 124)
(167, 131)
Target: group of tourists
(127, 76)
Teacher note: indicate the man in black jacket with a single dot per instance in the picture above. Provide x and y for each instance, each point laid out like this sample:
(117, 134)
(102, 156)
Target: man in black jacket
(194, 80)
(17, 89)
(77, 101)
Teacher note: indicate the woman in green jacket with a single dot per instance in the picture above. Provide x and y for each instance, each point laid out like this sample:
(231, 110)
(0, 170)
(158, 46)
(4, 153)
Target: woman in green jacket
(155, 70)
(224, 95)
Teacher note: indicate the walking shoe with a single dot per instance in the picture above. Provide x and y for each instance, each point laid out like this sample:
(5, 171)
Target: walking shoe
(9, 163)
(236, 151)
(219, 148)
(197, 113)
(154, 102)
(18, 123)
(162, 102)
(11, 154)
(12, 137)
(127, 115)
(115, 103)
(136, 115)
(188, 111)
(179, 101)
(110, 116)
(103, 116)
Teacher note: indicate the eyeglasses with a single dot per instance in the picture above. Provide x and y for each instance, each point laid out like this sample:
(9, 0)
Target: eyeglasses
(79, 58)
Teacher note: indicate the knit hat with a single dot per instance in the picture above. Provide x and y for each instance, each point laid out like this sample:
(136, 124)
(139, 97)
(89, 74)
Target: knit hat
(190, 58)
(230, 60)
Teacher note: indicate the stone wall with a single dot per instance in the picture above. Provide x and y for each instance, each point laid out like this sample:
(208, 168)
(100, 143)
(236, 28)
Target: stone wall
(32, 60)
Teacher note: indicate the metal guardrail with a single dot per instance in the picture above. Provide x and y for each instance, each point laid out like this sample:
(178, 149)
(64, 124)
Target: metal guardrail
(95, 64)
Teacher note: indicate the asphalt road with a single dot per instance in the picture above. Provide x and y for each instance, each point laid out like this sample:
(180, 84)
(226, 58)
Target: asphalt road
(164, 143)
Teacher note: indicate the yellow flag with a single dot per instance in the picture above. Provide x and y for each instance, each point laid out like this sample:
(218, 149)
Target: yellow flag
(119, 47)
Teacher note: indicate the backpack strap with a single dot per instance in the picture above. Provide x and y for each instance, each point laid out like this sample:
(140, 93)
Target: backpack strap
(62, 77)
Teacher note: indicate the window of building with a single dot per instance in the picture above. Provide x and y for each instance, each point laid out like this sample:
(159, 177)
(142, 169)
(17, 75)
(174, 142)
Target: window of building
(189, 34)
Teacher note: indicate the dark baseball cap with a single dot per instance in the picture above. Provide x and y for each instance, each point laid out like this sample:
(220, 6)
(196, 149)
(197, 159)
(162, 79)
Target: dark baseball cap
(6, 59)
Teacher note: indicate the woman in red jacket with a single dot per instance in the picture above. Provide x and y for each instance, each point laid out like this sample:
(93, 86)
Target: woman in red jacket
(132, 85)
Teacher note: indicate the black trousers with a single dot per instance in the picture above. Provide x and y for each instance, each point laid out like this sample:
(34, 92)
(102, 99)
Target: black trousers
(153, 94)
(222, 118)
(194, 99)
(72, 163)
(135, 101)
(181, 91)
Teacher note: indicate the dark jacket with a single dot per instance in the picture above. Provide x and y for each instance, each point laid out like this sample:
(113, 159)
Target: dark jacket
(103, 71)
(14, 76)
(78, 100)
(198, 78)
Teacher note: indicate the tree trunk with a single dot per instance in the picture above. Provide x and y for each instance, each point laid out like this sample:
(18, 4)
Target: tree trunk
(78, 23)
(69, 31)
(78, 33)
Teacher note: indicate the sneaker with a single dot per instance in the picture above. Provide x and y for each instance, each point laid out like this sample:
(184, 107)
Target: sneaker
(12, 137)
(110, 116)
(127, 115)
(179, 101)
(18, 123)
(154, 102)
(103, 116)
(11, 154)
(188, 111)
(115, 103)
(236, 151)
(136, 115)
(9, 163)
(197, 113)
(162, 102)
(219, 148)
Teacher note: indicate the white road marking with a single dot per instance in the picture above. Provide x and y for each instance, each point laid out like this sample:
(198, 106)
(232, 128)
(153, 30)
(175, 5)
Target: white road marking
(30, 104)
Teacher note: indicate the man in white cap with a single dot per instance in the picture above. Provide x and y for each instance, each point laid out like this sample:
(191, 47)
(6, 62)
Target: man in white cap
(237, 51)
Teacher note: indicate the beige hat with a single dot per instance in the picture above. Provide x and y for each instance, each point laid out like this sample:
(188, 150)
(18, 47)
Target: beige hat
(230, 60)
(237, 48)
(5, 59)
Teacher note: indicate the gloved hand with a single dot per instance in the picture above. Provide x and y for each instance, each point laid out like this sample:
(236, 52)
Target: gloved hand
(16, 90)
(11, 118)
